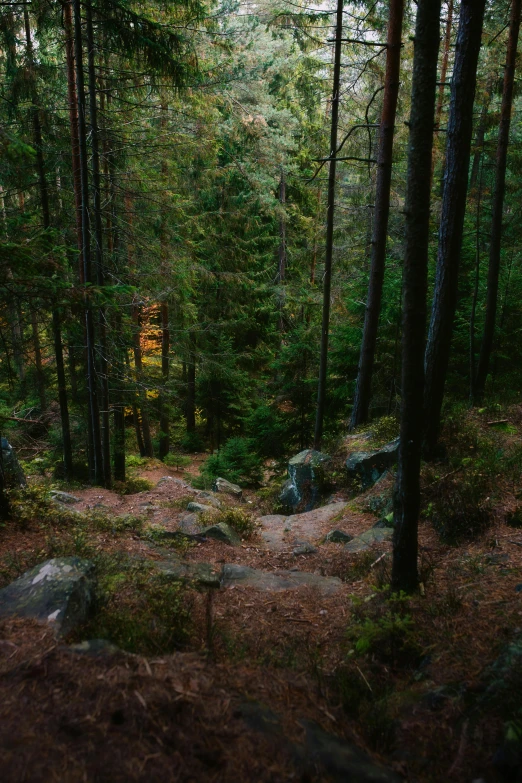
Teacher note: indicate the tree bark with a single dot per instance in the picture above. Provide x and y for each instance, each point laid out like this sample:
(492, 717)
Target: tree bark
(94, 411)
(40, 380)
(414, 311)
(73, 122)
(327, 282)
(191, 387)
(98, 244)
(56, 321)
(498, 202)
(164, 423)
(361, 403)
(458, 147)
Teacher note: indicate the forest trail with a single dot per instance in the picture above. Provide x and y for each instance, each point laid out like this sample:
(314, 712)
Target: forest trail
(285, 552)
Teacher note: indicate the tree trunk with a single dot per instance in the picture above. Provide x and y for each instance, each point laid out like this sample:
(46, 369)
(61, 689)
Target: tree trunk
(138, 363)
(281, 251)
(407, 488)
(444, 65)
(474, 299)
(327, 282)
(164, 423)
(498, 202)
(73, 122)
(191, 387)
(56, 323)
(458, 147)
(94, 411)
(361, 403)
(40, 380)
(98, 243)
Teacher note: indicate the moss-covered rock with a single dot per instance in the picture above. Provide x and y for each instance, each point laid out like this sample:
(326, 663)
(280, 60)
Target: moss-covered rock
(59, 591)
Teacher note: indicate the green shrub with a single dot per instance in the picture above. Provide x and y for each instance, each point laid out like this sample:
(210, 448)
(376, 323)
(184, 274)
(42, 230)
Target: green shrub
(176, 460)
(133, 461)
(241, 521)
(139, 609)
(266, 427)
(383, 629)
(132, 486)
(192, 441)
(385, 429)
(237, 461)
(460, 507)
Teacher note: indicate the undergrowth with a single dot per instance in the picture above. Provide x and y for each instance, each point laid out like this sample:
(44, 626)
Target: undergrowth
(137, 608)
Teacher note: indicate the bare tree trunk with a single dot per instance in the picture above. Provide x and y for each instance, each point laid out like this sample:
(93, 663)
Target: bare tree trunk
(474, 300)
(40, 380)
(98, 243)
(281, 251)
(56, 323)
(458, 147)
(164, 423)
(498, 202)
(191, 386)
(361, 403)
(327, 282)
(73, 122)
(444, 65)
(414, 310)
(94, 411)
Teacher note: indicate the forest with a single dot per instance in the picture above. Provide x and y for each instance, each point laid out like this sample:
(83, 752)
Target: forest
(260, 412)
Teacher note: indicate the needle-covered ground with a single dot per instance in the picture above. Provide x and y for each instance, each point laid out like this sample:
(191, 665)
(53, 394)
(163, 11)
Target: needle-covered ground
(223, 683)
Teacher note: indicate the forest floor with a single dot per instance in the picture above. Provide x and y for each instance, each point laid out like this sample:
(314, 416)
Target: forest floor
(254, 680)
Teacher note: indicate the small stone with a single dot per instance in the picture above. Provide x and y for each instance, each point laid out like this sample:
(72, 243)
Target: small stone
(338, 537)
(64, 497)
(222, 485)
(305, 549)
(372, 536)
(199, 508)
(209, 499)
(94, 647)
(222, 532)
(171, 480)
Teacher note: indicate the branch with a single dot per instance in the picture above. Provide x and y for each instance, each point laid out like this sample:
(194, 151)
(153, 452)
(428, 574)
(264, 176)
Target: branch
(350, 157)
(363, 43)
(17, 418)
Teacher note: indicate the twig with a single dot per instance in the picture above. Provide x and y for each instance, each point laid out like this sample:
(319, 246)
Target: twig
(364, 678)
(446, 475)
(378, 559)
(497, 421)
(462, 747)
(517, 543)
(24, 421)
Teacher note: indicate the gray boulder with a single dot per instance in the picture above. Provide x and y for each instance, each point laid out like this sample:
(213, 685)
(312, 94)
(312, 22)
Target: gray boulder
(65, 497)
(203, 574)
(305, 549)
(59, 591)
(209, 499)
(199, 508)
(368, 466)
(173, 481)
(337, 537)
(222, 532)
(222, 485)
(368, 538)
(306, 480)
(13, 473)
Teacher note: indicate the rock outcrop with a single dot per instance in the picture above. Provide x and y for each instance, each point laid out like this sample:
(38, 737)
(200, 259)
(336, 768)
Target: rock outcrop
(306, 480)
(59, 591)
(368, 466)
